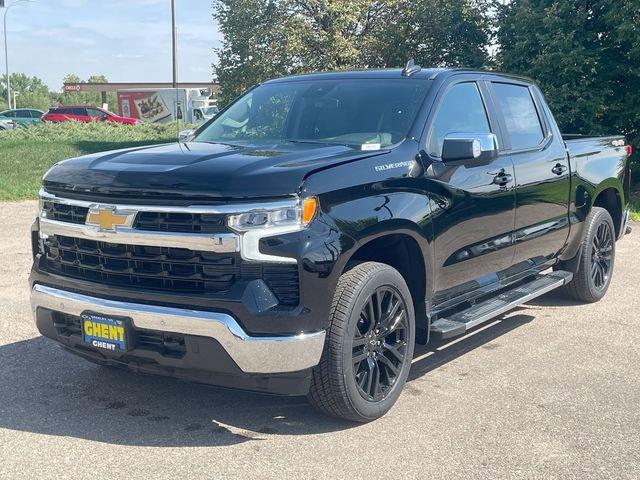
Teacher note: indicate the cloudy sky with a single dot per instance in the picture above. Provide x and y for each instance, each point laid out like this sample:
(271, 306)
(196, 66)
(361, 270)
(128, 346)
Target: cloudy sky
(126, 40)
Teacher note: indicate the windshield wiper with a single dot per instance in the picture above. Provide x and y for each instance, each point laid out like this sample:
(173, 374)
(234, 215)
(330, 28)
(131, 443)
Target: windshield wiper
(318, 142)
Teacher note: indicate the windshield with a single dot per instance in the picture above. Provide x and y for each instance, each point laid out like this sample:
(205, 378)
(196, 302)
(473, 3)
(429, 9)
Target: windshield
(373, 112)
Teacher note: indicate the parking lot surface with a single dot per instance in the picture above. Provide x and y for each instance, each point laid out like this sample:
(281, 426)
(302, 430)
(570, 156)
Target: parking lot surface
(551, 390)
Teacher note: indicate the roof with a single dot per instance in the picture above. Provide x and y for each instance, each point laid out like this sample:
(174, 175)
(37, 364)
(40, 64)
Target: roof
(424, 73)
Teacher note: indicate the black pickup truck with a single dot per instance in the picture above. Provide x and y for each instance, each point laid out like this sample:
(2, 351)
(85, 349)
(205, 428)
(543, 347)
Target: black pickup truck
(306, 237)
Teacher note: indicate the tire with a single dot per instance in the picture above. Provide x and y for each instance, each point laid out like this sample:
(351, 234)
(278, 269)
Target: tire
(371, 335)
(595, 268)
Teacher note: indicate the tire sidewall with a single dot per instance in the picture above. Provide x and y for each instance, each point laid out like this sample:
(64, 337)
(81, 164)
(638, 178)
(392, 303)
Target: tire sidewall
(387, 277)
(600, 215)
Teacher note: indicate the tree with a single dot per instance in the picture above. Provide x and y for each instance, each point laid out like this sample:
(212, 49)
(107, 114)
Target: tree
(264, 39)
(584, 54)
(32, 92)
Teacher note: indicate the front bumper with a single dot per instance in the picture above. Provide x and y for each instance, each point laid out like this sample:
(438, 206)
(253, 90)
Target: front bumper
(251, 354)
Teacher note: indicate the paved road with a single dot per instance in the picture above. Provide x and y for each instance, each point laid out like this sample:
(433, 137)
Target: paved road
(551, 390)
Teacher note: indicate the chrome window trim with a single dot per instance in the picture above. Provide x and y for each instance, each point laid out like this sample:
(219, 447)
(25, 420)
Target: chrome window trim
(268, 354)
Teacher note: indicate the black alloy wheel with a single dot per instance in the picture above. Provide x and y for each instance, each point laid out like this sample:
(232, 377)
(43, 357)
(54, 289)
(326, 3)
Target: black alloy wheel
(601, 255)
(379, 344)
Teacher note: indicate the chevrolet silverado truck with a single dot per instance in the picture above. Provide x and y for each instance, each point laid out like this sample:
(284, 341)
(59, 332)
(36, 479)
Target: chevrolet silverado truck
(305, 238)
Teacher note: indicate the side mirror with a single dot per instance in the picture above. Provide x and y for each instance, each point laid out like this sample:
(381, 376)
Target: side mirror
(185, 135)
(478, 147)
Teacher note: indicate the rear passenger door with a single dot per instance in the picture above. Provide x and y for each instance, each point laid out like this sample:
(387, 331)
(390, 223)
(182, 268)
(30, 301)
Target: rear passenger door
(473, 203)
(80, 114)
(541, 173)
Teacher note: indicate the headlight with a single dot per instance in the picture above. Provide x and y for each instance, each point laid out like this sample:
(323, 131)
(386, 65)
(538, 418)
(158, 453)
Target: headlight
(260, 223)
(294, 217)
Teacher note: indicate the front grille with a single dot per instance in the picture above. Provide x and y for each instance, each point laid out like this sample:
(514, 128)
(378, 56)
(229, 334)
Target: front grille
(164, 269)
(166, 343)
(181, 222)
(64, 213)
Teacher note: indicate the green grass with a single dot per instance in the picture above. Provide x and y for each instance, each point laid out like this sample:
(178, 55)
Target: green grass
(634, 205)
(27, 153)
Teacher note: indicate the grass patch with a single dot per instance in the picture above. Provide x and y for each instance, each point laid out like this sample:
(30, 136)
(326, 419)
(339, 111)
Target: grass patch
(634, 206)
(27, 153)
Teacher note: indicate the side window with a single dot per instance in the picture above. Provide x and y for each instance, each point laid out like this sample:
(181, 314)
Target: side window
(460, 111)
(94, 113)
(82, 112)
(10, 114)
(23, 114)
(520, 115)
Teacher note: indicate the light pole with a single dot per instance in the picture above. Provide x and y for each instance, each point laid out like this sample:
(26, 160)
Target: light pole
(173, 44)
(15, 94)
(6, 48)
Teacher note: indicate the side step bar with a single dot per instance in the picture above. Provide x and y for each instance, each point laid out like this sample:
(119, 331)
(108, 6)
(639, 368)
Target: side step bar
(458, 323)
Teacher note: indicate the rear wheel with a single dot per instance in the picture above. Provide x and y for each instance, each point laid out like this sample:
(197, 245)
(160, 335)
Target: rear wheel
(369, 345)
(591, 281)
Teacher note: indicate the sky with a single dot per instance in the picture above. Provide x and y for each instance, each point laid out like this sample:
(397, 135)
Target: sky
(125, 40)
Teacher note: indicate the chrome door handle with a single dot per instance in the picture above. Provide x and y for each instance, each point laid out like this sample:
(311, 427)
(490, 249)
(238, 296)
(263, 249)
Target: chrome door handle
(559, 169)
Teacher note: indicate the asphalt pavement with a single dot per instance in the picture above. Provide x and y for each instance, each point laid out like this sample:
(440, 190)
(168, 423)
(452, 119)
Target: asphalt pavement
(551, 390)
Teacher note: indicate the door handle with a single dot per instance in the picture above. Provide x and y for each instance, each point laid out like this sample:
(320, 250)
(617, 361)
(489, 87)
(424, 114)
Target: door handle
(559, 169)
(502, 178)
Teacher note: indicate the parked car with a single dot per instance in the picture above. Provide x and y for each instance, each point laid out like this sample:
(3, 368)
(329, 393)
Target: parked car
(23, 116)
(6, 124)
(84, 113)
(304, 240)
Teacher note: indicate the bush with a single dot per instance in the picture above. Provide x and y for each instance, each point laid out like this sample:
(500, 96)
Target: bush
(26, 153)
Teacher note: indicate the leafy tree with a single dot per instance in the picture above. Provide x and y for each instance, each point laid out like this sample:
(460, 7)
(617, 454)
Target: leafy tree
(264, 39)
(32, 92)
(585, 54)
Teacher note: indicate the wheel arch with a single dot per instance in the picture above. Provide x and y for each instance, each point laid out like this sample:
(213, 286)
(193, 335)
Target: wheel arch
(402, 251)
(610, 197)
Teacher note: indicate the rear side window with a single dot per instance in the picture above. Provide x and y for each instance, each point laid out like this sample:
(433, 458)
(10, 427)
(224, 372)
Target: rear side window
(11, 114)
(520, 115)
(23, 114)
(79, 111)
(461, 111)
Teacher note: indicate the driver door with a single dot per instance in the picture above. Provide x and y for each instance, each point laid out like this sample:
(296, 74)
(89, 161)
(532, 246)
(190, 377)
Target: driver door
(473, 202)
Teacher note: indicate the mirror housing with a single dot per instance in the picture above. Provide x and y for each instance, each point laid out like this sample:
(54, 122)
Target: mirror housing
(185, 135)
(480, 147)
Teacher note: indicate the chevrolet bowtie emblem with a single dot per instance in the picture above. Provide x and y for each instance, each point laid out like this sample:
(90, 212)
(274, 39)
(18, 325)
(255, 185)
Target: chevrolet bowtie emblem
(107, 219)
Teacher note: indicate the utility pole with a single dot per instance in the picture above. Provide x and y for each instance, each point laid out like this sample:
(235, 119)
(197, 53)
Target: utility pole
(174, 51)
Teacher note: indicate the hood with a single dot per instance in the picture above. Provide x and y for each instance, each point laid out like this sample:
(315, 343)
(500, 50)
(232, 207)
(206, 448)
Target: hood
(198, 170)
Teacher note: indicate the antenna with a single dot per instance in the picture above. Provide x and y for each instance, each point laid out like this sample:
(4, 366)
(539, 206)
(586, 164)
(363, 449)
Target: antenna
(410, 68)
(174, 54)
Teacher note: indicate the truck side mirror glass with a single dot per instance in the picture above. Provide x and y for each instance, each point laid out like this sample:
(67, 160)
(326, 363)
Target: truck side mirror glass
(480, 147)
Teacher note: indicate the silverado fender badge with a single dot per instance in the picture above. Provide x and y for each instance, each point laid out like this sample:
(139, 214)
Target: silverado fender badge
(392, 166)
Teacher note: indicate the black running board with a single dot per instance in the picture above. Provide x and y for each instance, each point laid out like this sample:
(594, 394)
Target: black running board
(458, 323)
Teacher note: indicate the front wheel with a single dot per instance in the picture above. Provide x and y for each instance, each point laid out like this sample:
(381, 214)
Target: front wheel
(369, 345)
(595, 269)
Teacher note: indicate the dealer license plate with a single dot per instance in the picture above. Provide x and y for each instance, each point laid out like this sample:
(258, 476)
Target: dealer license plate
(105, 333)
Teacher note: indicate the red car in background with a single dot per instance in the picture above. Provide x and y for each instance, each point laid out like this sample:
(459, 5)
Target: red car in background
(83, 113)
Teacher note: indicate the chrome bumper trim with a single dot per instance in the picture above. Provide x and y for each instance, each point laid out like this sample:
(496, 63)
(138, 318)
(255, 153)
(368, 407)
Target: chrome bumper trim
(219, 242)
(251, 354)
(626, 217)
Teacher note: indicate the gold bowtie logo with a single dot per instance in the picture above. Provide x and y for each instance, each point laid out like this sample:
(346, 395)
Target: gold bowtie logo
(106, 219)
